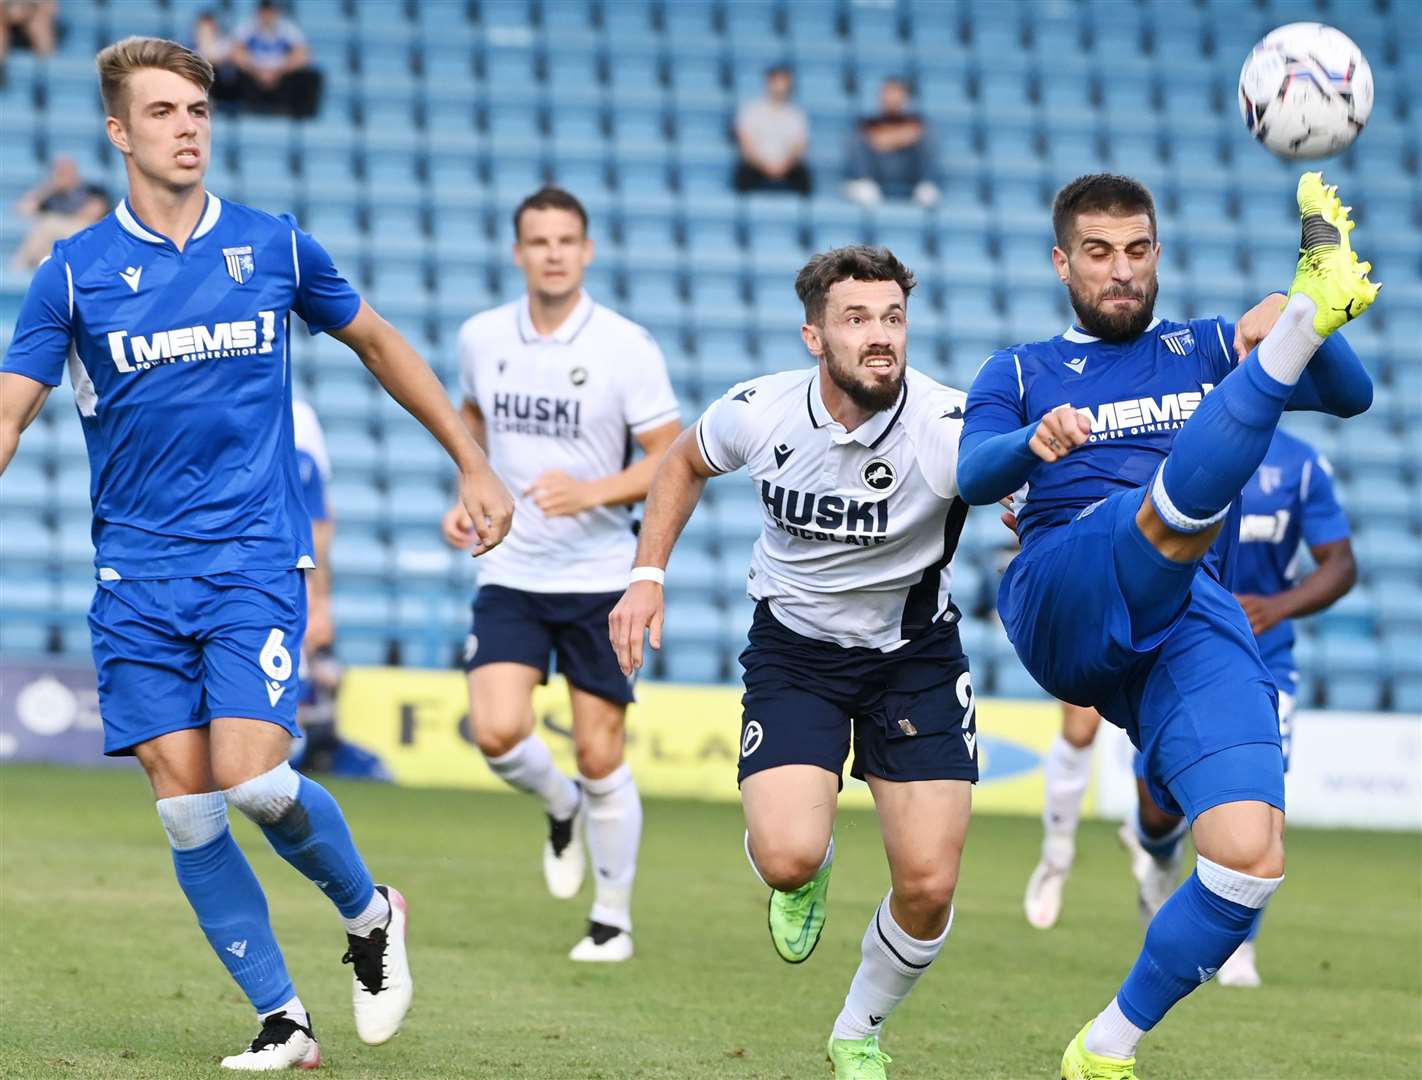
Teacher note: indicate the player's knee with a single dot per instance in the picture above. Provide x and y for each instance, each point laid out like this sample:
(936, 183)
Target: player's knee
(597, 758)
(494, 742)
(1256, 852)
(268, 798)
(926, 892)
(787, 868)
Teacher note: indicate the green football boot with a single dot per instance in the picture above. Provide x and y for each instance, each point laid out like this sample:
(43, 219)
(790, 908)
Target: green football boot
(1079, 1063)
(857, 1059)
(1329, 272)
(797, 919)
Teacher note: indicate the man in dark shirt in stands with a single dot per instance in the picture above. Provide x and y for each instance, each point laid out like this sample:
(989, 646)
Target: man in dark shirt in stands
(892, 154)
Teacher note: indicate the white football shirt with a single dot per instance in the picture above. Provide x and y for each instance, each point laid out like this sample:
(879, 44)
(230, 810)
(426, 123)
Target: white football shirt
(859, 527)
(571, 401)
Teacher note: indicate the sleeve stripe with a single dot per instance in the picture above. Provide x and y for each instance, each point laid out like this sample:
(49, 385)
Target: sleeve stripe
(1021, 390)
(1305, 478)
(1227, 351)
(295, 262)
(69, 277)
(701, 441)
(671, 413)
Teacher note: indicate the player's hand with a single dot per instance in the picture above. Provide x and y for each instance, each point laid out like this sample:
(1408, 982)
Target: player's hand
(1061, 431)
(1256, 323)
(559, 495)
(1264, 612)
(640, 611)
(1008, 518)
(458, 528)
(489, 507)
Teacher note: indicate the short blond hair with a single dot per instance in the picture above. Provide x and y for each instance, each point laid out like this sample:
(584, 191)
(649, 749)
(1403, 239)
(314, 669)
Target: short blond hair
(121, 59)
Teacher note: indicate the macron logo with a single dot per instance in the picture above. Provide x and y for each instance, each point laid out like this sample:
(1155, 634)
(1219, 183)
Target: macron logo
(1078, 365)
(238, 948)
(274, 692)
(130, 275)
(971, 738)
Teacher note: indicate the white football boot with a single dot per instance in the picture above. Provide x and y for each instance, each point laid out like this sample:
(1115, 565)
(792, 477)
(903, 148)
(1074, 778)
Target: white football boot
(282, 1044)
(1043, 899)
(564, 857)
(1155, 878)
(381, 986)
(603, 944)
(1240, 969)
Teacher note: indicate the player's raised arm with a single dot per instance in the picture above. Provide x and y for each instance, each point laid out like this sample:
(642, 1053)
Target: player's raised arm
(409, 380)
(675, 491)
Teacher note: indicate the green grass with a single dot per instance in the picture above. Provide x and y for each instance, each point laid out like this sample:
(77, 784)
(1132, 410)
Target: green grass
(103, 972)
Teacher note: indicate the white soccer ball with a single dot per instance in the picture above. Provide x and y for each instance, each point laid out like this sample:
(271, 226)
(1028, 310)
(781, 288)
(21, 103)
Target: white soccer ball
(1306, 91)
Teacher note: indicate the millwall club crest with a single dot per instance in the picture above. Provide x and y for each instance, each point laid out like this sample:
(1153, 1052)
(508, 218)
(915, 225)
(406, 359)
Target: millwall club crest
(240, 264)
(1180, 342)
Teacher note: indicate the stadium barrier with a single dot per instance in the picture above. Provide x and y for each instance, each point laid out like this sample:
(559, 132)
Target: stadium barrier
(1352, 770)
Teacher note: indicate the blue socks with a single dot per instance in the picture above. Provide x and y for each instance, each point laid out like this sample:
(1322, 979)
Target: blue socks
(1197, 930)
(226, 896)
(306, 827)
(1219, 448)
(1162, 847)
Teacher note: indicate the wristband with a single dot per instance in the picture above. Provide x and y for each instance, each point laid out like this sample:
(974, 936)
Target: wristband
(648, 573)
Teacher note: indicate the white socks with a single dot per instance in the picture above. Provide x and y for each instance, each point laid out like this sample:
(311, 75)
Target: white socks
(891, 964)
(614, 833)
(1290, 345)
(529, 767)
(294, 1011)
(1068, 774)
(376, 914)
(1112, 1035)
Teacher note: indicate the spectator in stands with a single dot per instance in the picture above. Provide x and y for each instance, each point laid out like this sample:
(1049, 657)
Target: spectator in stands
(892, 155)
(59, 206)
(772, 134)
(216, 46)
(29, 24)
(274, 65)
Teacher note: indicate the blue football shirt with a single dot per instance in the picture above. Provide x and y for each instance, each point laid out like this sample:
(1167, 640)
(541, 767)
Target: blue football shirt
(180, 362)
(1290, 499)
(1139, 393)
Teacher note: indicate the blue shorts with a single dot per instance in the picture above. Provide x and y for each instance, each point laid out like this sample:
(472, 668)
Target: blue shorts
(1178, 670)
(913, 710)
(521, 627)
(174, 653)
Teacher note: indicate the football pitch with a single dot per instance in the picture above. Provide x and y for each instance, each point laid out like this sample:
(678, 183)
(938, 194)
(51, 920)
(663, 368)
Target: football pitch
(103, 972)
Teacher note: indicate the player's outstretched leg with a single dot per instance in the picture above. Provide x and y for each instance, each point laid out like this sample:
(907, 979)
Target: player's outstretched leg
(1219, 448)
(232, 912)
(305, 826)
(1209, 916)
(1066, 774)
(614, 833)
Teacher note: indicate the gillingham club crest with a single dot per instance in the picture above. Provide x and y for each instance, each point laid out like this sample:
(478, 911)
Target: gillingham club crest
(240, 264)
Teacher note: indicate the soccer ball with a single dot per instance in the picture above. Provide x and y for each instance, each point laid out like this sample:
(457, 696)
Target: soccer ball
(1306, 91)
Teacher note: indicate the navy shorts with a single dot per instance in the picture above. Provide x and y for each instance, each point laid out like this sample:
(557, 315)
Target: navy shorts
(521, 627)
(1185, 688)
(912, 710)
(174, 653)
